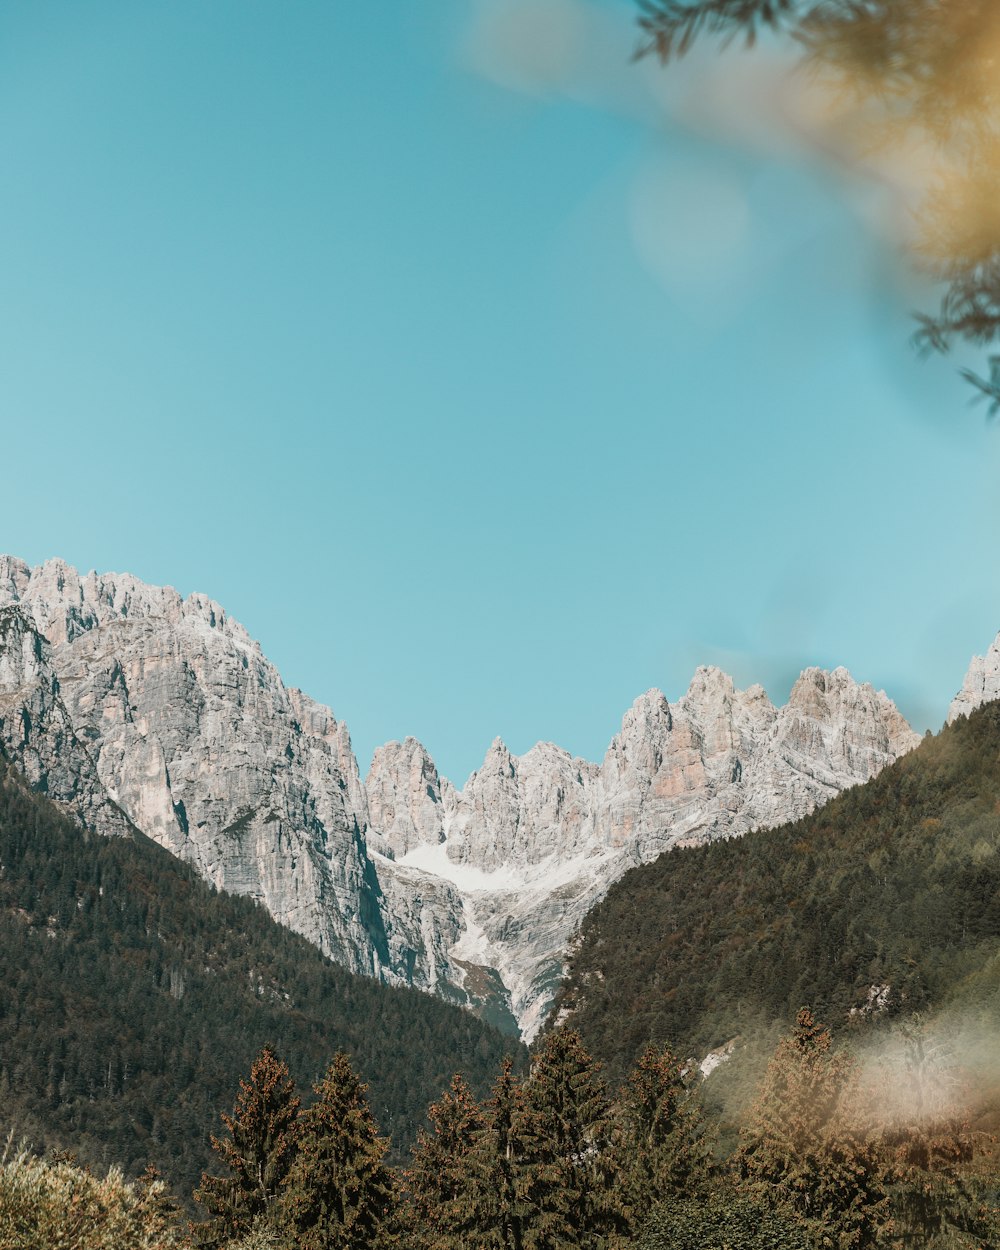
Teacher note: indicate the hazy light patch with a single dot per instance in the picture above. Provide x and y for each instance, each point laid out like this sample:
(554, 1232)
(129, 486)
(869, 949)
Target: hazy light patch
(779, 634)
(689, 225)
(531, 46)
(694, 222)
(928, 1072)
(763, 102)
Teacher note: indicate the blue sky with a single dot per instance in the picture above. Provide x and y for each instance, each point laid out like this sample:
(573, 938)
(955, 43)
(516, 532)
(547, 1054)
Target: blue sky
(488, 378)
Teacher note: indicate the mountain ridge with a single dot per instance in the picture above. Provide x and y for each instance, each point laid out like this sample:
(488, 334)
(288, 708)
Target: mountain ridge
(882, 905)
(473, 894)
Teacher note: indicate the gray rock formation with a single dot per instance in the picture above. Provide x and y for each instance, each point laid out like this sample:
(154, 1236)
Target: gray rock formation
(534, 841)
(981, 685)
(406, 797)
(37, 733)
(131, 704)
(194, 736)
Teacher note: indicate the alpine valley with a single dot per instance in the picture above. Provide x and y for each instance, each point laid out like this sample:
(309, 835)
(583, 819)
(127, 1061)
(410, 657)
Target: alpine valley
(136, 709)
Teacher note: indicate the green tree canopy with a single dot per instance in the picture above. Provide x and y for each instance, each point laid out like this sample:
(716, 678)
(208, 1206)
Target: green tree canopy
(339, 1193)
(725, 1220)
(565, 1124)
(499, 1211)
(658, 1143)
(803, 1146)
(258, 1152)
(442, 1179)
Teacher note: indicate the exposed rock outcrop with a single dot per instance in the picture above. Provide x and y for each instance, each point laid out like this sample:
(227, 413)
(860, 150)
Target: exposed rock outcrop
(131, 704)
(37, 732)
(194, 736)
(534, 841)
(981, 684)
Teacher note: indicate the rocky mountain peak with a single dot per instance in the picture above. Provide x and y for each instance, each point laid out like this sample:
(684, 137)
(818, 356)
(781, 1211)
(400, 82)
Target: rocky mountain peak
(709, 685)
(981, 684)
(499, 760)
(818, 691)
(65, 604)
(130, 703)
(405, 796)
(852, 716)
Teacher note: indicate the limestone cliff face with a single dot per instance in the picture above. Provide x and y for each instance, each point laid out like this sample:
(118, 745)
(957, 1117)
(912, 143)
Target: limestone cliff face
(193, 735)
(532, 842)
(406, 797)
(131, 704)
(981, 685)
(37, 732)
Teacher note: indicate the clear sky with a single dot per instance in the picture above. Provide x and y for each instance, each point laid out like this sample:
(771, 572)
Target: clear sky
(487, 378)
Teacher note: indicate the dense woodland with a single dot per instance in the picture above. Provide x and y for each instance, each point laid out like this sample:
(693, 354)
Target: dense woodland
(132, 994)
(136, 997)
(882, 904)
(552, 1160)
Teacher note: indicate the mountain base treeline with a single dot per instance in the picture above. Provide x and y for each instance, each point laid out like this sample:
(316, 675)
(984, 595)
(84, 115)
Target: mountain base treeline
(552, 1161)
(882, 904)
(131, 990)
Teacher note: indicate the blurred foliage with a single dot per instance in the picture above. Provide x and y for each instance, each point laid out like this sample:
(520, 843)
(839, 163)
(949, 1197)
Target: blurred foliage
(926, 70)
(58, 1205)
(804, 1143)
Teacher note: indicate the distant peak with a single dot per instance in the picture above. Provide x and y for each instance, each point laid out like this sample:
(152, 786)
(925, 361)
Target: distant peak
(708, 679)
(653, 699)
(981, 684)
(414, 746)
(825, 681)
(409, 749)
(498, 760)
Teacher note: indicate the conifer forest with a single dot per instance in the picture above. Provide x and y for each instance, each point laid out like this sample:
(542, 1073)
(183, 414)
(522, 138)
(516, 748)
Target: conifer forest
(570, 827)
(875, 1130)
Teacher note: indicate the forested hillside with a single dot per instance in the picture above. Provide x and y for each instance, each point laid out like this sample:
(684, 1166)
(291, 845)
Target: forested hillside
(883, 903)
(132, 993)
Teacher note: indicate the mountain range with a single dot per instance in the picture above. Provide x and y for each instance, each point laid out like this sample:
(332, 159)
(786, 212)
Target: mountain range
(880, 911)
(137, 709)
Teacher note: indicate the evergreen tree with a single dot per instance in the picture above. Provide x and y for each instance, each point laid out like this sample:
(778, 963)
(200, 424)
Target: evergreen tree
(722, 1221)
(658, 1145)
(258, 1153)
(801, 1146)
(937, 1195)
(499, 1208)
(564, 1126)
(134, 1021)
(339, 1195)
(442, 1179)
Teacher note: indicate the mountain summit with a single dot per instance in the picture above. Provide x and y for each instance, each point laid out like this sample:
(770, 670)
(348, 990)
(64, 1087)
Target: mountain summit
(135, 707)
